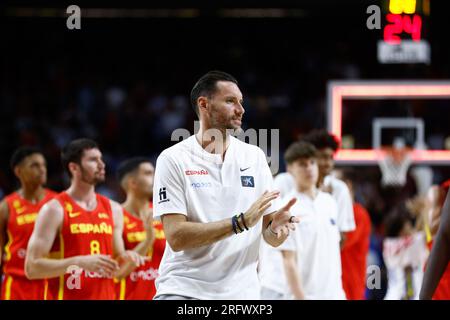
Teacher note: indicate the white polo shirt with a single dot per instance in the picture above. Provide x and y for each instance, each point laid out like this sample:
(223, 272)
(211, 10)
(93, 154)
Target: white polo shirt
(316, 243)
(271, 270)
(284, 182)
(198, 184)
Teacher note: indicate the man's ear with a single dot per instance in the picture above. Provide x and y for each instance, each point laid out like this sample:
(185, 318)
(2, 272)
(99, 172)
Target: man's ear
(72, 167)
(131, 182)
(202, 103)
(17, 171)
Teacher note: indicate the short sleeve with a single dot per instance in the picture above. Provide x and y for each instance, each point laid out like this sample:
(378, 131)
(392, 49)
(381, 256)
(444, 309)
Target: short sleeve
(168, 189)
(284, 182)
(346, 217)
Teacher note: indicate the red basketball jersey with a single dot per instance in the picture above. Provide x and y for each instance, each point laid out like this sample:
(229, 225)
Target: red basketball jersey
(84, 233)
(140, 284)
(21, 218)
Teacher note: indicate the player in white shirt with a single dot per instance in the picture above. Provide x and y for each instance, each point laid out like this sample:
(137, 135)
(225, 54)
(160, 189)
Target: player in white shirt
(214, 196)
(310, 257)
(326, 145)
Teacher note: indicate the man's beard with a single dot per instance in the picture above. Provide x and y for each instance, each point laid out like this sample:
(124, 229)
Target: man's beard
(228, 128)
(90, 180)
(233, 128)
(217, 122)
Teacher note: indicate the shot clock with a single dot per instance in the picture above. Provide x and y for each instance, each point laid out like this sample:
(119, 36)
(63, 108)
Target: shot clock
(405, 32)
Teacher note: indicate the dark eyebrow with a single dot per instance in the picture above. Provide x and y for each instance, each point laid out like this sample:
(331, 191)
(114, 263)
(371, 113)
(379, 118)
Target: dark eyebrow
(234, 97)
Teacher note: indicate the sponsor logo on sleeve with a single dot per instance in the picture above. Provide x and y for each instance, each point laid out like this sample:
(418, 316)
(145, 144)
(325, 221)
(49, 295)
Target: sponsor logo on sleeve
(163, 195)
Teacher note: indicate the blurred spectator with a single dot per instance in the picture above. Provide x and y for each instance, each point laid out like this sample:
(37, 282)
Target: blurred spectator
(405, 253)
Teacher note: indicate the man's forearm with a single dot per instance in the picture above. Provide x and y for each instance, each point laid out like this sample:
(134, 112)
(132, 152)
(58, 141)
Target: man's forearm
(189, 235)
(126, 268)
(43, 268)
(293, 279)
(434, 227)
(144, 247)
(440, 255)
(437, 263)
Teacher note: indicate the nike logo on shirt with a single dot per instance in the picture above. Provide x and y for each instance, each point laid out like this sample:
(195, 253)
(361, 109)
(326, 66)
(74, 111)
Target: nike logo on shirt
(74, 214)
(244, 169)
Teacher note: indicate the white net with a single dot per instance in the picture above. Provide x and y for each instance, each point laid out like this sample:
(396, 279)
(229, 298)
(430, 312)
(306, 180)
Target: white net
(394, 171)
(394, 163)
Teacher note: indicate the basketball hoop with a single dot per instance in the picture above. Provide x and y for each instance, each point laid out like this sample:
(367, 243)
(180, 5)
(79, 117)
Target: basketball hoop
(394, 163)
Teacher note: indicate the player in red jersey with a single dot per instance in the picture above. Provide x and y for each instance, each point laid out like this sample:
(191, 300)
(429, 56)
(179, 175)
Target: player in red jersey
(78, 236)
(140, 233)
(18, 212)
(356, 247)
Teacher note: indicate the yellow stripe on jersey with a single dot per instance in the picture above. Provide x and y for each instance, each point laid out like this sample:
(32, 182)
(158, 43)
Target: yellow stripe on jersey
(428, 235)
(123, 288)
(45, 289)
(8, 285)
(8, 245)
(150, 253)
(54, 255)
(61, 278)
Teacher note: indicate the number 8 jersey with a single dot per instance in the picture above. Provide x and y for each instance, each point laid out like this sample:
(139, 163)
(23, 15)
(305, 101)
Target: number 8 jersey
(83, 233)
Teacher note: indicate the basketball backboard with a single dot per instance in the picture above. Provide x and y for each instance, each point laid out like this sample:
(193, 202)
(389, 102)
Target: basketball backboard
(375, 103)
